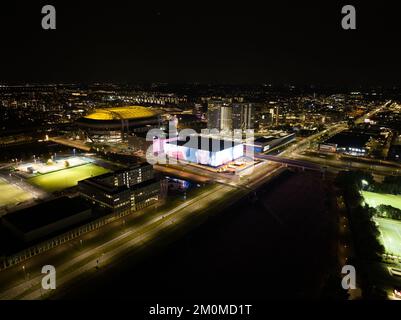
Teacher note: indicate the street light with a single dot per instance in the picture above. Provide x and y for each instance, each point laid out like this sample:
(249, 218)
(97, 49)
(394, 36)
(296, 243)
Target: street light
(98, 260)
(365, 183)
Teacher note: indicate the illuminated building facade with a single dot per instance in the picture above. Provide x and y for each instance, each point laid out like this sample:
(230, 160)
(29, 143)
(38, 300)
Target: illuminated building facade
(116, 124)
(126, 190)
(242, 116)
(204, 150)
(230, 116)
(219, 115)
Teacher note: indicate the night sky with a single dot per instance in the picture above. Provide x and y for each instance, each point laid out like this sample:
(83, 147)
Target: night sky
(199, 41)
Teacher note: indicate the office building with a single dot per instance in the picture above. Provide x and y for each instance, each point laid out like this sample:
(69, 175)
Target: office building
(227, 117)
(219, 115)
(242, 116)
(129, 176)
(126, 190)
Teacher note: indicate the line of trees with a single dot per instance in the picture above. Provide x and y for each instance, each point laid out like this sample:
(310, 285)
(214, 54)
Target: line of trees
(385, 211)
(390, 185)
(364, 230)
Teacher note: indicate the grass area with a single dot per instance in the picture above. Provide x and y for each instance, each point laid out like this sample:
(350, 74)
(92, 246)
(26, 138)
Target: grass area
(390, 231)
(11, 194)
(376, 199)
(63, 179)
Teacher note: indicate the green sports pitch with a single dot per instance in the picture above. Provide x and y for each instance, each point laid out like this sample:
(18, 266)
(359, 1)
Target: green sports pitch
(66, 178)
(376, 199)
(11, 194)
(390, 230)
(390, 235)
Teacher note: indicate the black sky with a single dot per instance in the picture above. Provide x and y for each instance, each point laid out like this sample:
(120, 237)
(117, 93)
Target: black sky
(201, 41)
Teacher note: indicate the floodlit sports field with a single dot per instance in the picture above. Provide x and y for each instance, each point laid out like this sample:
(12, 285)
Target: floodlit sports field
(390, 230)
(11, 194)
(390, 235)
(60, 164)
(66, 178)
(376, 199)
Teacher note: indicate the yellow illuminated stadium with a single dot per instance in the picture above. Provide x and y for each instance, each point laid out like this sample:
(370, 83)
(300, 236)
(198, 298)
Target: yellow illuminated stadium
(121, 113)
(117, 123)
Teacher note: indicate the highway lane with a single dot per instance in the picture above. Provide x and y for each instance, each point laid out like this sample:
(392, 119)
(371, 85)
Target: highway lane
(72, 264)
(46, 258)
(170, 170)
(373, 112)
(67, 270)
(71, 143)
(112, 252)
(75, 265)
(304, 144)
(291, 162)
(218, 200)
(350, 165)
(296, 155)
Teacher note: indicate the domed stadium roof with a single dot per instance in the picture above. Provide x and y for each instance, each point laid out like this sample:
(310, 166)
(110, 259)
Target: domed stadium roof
(121, 113)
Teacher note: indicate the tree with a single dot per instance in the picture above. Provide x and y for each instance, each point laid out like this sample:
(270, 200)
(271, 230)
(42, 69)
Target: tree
(332, 289)
(387, 211)
(364, 230)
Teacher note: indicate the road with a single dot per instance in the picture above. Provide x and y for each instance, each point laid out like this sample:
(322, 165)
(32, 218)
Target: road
(78, 259)
(299, 154)
(77, 144)
(305, 143)
(373, 112)
(334, 162)
(181, 173)
(105, 246)
(291, 162)
(83, 257)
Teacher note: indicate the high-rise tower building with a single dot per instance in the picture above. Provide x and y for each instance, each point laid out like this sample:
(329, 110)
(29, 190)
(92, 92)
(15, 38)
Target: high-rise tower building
(226, 117)
(219, 115)
(242, 116)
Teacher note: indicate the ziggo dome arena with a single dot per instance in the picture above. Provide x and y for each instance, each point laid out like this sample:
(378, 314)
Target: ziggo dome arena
(116, 124)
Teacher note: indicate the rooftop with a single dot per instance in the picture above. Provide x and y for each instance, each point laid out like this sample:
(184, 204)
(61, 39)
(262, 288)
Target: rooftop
(264, 139)
(350, 139)
(122, 113)
(46, 213)
(206, 143)
(110, 189)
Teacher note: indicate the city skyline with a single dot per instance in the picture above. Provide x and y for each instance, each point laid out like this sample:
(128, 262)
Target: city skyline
(238, 153)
